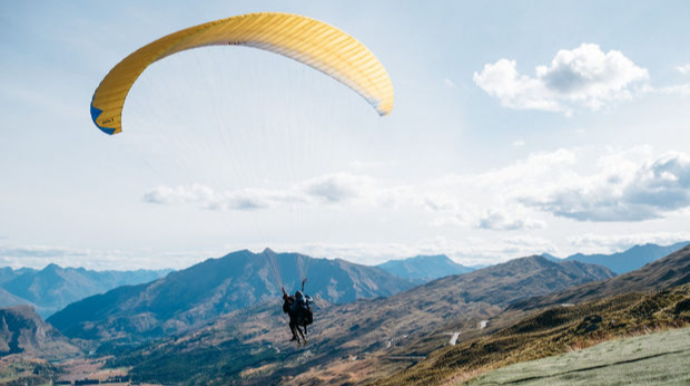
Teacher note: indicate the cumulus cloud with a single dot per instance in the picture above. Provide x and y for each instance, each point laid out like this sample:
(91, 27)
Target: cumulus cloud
(449, 83)
(207, 198)
(328, 189)
(684, 69)
(519, 143)
(490, 200)
(631, 186)
(583, 77)
(621, 186)
(497, 220)
(337, 187)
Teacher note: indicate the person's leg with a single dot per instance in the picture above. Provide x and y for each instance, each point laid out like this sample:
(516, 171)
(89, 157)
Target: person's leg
(293, 326)
(304, 340)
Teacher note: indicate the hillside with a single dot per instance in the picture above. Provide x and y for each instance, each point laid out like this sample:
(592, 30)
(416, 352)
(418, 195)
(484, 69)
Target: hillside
(551, 332)
(367, 330)
(670, 271)
(22, 331)
(193, 296)
(54, 287)
(629, 260)
(10, 300)
(658, 359)
(423, 269)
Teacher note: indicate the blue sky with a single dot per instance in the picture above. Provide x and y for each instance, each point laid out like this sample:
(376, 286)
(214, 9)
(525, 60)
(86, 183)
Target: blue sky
(518, 128)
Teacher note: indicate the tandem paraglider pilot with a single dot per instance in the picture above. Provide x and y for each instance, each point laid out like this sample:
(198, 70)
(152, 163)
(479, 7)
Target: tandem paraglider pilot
(298, 308)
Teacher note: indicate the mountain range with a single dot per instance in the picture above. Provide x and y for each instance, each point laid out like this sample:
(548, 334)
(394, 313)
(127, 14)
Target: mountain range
(629, 260)
(422, 269)
(53, 287)
(224, 315)
(239, 280)
(673, 270)
(367, 329)
(652, 298)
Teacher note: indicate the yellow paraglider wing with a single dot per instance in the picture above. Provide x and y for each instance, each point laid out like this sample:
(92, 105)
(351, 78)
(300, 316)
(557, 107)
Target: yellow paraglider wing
(308, 41)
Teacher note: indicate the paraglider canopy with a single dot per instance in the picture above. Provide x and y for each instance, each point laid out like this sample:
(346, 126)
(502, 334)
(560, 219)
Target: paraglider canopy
(306, 40)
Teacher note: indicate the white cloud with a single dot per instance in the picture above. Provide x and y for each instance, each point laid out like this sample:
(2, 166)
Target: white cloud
(583, 77)
(328, 189)
(498, 220)
(684, 69)
(337, 187)
(620, 186)
(490, 200)
(678, 89)
(468, 251)
(449, 83)
(519, 143)
(207, 198)
(39, 256)
(502, 80)
(630, 186)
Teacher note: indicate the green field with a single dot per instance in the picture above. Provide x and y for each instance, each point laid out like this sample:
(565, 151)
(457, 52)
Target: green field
(656, 359)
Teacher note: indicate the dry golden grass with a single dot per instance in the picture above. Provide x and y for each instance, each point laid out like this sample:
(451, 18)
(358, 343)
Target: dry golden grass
(551, 332)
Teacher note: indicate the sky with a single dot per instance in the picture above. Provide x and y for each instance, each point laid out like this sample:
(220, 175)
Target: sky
(518, 128)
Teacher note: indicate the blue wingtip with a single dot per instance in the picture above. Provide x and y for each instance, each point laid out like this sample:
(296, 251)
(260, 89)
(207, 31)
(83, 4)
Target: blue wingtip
(95, 113)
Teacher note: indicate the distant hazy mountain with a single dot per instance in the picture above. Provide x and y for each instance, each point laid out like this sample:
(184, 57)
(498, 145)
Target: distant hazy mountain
(365, 329)
(53, 287)
(668, 272)
(216, 286)
(422, 269)
(630, 260)
(22, 331)
(7, 274)
(9, 300)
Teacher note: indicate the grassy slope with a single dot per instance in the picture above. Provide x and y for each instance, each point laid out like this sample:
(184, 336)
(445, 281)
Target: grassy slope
(656, 359)
(551, 332)
(673, 270)
(16, 370)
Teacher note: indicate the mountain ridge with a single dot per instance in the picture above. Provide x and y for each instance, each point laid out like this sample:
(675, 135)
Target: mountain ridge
(53, 287)
(673, 270)
(216, 286)
(22, 331)
(424, 268)
(629, 260)
(365, 329)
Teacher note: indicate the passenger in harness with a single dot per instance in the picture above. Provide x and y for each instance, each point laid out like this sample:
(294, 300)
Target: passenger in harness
(298, 308)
